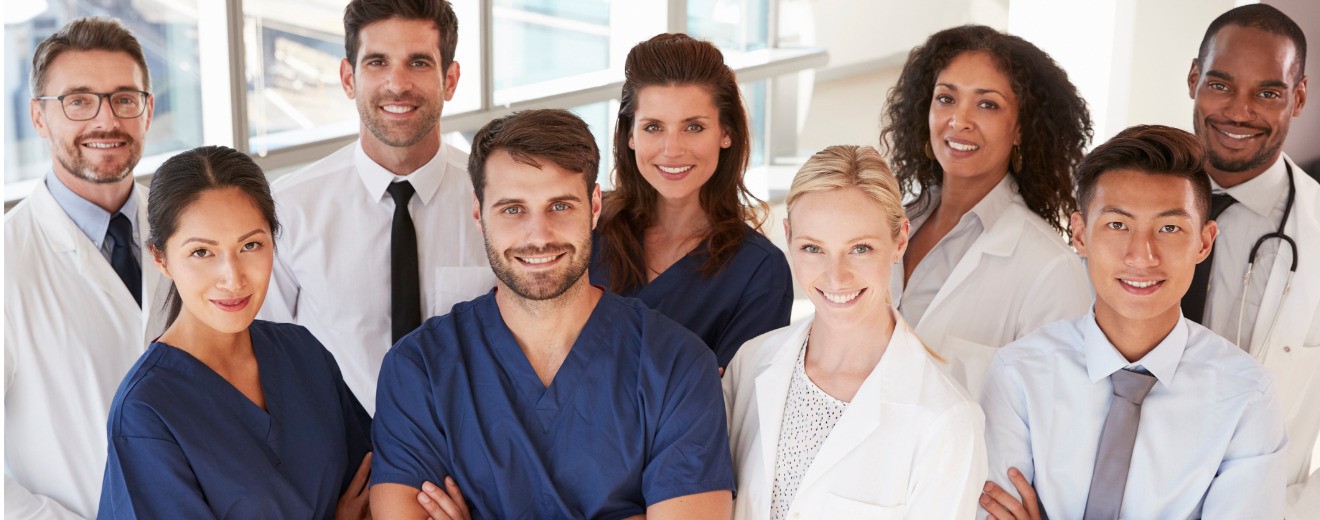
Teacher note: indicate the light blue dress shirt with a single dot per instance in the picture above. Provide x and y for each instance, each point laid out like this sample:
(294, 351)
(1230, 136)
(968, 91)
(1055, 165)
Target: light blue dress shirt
(1210, 443)
(94, 221)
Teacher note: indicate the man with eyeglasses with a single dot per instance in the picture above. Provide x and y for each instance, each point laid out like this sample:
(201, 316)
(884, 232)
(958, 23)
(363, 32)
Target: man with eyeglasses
(79, 308)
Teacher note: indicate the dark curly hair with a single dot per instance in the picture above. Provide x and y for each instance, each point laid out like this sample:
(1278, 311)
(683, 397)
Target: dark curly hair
(1054, 122)
(630, 209)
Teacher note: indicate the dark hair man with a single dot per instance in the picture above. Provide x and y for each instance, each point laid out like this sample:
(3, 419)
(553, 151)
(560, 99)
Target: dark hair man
(1248, 82)
(548, 397)
(376, 235)
(1064, 403)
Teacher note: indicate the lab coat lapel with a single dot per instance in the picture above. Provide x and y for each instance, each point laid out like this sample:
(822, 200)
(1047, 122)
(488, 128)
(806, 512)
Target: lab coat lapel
(155, 286)
(1000, 240)
(772, 382)
(1307, 238)
(64, 238)
(895, 382)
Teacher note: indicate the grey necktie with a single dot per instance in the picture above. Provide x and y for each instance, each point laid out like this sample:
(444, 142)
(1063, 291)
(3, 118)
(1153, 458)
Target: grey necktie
(1109, 478)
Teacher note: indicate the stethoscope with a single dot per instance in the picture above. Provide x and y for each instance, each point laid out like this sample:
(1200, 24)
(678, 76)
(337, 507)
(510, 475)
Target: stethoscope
(1251, 264)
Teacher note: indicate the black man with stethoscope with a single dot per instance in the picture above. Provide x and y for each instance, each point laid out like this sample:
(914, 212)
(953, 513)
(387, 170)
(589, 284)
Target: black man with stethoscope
(1261, 287)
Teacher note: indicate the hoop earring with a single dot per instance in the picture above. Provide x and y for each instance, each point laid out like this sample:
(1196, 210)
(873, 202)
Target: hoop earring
(930, 152)
(1015, 159)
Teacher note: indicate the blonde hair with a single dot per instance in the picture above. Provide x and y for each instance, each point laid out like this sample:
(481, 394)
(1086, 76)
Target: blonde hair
(851, 166)
(860, 168)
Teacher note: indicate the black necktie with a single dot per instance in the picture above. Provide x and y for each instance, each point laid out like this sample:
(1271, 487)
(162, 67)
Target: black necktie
(121, 255)
(1193, 303)
(405, 289)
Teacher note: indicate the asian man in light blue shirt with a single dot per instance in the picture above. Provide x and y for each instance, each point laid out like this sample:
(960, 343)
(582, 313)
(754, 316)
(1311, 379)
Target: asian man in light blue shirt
(1133, 411)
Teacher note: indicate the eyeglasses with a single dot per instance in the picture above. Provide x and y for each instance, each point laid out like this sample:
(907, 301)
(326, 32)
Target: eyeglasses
(82, 106)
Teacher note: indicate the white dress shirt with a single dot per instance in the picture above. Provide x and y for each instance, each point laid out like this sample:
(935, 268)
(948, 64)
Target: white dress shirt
(929, 275)
(332, 269)
(1258, 209)
(72, 331)
(1210, 442)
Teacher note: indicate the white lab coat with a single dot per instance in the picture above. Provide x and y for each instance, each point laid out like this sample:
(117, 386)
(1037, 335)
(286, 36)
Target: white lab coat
(1292, 355)
(1018, 275)
(911, 443)
(72, 331)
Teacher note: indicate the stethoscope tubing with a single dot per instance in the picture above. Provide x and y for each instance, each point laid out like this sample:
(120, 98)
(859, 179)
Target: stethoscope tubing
(1251, 265)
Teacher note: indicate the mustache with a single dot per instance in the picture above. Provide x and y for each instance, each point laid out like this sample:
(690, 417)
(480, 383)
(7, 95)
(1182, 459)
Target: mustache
(1217, 123)
(404, 99)
(116, 135)
(545, 250)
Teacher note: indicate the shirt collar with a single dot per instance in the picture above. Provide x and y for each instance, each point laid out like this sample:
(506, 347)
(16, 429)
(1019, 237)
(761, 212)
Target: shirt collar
(90, 218)
(425, 180)
(1262, 193)
(992, 205)
(1103, 359)
(987, 210)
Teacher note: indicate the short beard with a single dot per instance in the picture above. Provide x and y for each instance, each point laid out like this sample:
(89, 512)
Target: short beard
(429, 120)
(1251, 163)
(72, 160)
(529, 289)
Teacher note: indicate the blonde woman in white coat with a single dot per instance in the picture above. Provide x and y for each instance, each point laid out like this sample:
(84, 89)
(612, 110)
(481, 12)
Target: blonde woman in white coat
(846, 414)
(984, 130)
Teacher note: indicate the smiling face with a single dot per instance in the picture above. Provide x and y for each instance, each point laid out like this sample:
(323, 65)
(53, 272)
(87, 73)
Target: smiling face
(1245, 96)
(1142, 238)
(676, 138)
(399, 83)
(537, 225)
(973, 117)
(843, 253)
(106, 148)
(220, 259)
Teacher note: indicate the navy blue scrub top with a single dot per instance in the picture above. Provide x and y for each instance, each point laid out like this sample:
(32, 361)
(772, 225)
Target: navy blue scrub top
(634, 416)
(752, 295)
(184, 443)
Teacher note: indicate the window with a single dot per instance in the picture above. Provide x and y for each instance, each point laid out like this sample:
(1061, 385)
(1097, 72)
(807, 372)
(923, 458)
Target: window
(269, 71)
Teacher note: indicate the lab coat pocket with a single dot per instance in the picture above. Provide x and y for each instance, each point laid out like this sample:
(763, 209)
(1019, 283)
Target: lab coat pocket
(843, 508)
(456, 285)
(968, 362)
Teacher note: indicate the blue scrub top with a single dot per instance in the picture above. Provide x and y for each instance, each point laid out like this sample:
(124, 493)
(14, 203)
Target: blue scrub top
(752, 295)
(184, 443)
(634, 416)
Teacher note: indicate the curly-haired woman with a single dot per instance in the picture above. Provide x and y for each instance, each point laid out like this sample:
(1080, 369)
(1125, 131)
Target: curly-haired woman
(983, 130)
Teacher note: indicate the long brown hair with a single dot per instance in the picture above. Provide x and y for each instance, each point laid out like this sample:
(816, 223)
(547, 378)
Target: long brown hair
(630, 209)
(1052, 116)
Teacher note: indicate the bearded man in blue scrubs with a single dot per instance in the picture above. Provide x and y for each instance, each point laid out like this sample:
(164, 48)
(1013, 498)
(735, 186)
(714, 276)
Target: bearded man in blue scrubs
(547, 397)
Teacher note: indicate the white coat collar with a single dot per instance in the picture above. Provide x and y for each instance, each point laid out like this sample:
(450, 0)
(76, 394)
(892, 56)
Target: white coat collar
(896, 381)
(64, 237)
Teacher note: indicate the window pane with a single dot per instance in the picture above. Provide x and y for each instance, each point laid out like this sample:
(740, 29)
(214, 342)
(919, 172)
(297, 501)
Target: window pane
(542, 40)
(754, 95)
(600, 118)
(293, 52)
(733, 25)
(168, 35)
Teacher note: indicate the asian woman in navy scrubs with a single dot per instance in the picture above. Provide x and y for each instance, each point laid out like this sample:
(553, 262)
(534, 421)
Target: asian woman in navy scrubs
(223, 416)
(680, 229)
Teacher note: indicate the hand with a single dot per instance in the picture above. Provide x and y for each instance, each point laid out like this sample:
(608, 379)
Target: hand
(721, 372)
(444, 504)
(1002, 506)
(353, 505)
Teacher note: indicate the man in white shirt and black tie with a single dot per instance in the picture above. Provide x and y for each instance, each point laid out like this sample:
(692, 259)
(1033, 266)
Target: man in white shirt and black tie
(1134, 411)
(377, 236)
